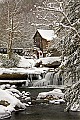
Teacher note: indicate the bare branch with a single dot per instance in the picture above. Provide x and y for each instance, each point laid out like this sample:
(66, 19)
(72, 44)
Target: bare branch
(16, 26)
(3, 42)
(17, 3)
(70, 27)
(18, 31)
(77, 22)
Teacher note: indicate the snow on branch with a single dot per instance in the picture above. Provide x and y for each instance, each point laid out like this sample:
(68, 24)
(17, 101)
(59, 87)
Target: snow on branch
(72, 97)
(16, 26)
(77, 22)
(17, 7)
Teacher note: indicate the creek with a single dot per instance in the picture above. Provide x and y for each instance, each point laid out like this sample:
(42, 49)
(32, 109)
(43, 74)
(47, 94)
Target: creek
(43, 111)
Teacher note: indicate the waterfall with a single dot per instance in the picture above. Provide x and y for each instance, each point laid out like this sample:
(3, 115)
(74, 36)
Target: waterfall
(47, 80)
(56, 78)
(50, 78)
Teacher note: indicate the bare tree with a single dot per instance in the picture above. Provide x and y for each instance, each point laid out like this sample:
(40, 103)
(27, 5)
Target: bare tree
(11, 28)
(11, 22)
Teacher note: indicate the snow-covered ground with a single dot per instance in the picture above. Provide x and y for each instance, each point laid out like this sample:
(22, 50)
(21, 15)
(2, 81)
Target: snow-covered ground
(33, 70)
(26, 63)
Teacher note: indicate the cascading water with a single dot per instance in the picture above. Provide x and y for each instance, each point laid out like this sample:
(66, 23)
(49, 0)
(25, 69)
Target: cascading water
(47, 80)
(58, 78)
(50, 78)
(55, 79)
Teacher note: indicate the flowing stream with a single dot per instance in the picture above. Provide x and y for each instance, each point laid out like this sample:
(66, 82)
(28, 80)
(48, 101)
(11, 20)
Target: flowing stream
(44, 111)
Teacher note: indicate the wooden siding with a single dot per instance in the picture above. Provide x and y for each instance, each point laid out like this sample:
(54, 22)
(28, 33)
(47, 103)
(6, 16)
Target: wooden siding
(40, 42)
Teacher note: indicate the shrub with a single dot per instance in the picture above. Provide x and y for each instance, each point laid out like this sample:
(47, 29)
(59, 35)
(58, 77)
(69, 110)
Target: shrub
(13, 62)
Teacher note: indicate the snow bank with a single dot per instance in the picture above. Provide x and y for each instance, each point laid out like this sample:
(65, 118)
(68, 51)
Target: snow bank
(10, 100)
(26, 63)
(4, 113)
(75, 107)
(33, 70)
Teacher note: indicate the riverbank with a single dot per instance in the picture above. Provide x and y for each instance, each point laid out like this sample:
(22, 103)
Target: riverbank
(11, 100)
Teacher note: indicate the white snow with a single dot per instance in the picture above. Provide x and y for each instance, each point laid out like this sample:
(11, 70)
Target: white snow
(54, 97)
(50, 60)
(33, 70)
(26, 66)
(11, 97)
(4, 95)
(75, 107)
(47, 34)
(27, 63)
(23, 63)
(55, 92)
(4, 113)
(56, 101)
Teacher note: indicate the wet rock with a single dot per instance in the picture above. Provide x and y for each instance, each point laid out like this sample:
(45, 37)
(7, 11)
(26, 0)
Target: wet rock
(4, 103)
(35, 102)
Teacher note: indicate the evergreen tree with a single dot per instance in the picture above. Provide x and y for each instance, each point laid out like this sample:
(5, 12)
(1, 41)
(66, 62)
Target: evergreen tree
(71, 49)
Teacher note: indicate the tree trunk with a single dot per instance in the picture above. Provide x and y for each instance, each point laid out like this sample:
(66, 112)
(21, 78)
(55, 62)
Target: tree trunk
(10, 27)
(9, 51)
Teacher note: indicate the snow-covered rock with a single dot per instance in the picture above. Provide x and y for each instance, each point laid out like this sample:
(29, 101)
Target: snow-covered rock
(48, 62)
(10, 100)
(55, 96)
(4, 113)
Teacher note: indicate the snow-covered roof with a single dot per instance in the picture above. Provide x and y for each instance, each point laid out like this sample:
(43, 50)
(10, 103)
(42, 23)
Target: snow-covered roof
(47, 34)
